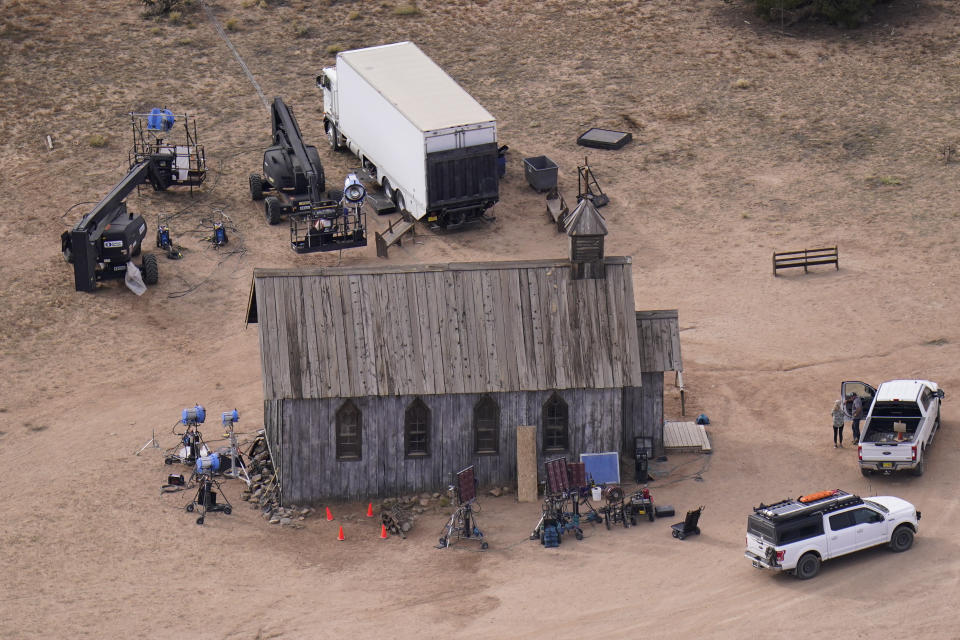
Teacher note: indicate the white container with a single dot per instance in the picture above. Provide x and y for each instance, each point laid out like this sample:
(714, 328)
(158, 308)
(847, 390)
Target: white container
(597, 492)
(398, 111)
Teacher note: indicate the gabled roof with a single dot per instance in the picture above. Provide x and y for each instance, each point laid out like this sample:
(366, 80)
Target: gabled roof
(444, 328)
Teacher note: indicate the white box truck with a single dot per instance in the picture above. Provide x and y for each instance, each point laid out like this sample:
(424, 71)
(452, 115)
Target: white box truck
(425, 140)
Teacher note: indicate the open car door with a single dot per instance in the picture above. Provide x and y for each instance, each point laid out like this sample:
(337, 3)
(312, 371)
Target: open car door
(851, 388)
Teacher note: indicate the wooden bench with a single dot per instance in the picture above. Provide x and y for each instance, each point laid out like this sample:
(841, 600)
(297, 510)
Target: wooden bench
(393, 235)
(557, 209)
(806, 258)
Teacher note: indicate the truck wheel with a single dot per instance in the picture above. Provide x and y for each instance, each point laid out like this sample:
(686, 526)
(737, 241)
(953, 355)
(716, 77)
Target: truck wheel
(454, 220)
(151, 273)
(808, 566)
(866, 472)
(919, 469)
(271, 209)
(387, 189)
(333, 136)
(256, 186)
(398, 199)
(902, 538)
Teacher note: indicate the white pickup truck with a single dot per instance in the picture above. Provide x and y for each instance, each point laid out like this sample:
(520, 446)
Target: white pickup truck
(903, 418)
(796, 536)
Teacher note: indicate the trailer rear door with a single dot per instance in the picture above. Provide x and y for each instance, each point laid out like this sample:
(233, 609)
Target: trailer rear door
(462, 176)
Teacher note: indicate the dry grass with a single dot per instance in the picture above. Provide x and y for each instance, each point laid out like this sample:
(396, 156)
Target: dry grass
(406, 10)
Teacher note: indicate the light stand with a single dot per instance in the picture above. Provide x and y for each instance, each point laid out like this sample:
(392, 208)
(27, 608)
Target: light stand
(462, 523)
(237, 468)
(206, 498)
(151, 443)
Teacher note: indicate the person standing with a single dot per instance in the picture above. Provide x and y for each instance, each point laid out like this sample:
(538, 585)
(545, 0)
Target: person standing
(837, 414)
(856, 412)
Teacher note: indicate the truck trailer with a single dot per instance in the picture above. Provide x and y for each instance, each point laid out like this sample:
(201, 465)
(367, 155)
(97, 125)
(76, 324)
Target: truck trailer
(420, 135)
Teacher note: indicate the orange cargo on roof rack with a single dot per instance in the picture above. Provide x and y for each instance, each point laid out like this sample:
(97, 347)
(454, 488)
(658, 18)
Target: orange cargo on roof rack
(820, 495)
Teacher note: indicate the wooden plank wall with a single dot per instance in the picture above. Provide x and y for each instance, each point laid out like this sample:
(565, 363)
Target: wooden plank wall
(651, 414)
(302, 431)
(456, 330)
(659, 338)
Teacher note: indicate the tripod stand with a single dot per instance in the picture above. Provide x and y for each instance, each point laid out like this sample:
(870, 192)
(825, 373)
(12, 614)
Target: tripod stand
(206, 499)
(151, 443)
(237, 468)
(462, 522)
(191, 447)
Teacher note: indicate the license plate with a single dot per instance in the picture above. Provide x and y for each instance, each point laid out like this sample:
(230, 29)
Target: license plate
(887, 465)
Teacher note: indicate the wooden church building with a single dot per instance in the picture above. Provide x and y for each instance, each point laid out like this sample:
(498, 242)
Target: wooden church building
(383, 380)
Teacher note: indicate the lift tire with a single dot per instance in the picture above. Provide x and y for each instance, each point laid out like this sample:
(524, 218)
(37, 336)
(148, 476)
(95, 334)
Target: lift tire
(650, 514)
(151, 272)
(271, 210)
(227, 509)
(256, 186)
(200, 520)
(484, 545)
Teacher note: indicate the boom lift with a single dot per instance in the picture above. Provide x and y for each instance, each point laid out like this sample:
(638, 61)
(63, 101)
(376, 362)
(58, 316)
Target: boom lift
(294, 178)
(103, 242)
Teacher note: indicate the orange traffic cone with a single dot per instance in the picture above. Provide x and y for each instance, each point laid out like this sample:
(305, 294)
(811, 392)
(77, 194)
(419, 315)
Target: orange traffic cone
(383, 531)
(329, 515)
(370, 510)
(340, 535)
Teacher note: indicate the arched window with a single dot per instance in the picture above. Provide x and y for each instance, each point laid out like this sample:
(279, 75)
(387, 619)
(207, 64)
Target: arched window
(349, 432)
(555, 420)
(486, 426)
(416, 429)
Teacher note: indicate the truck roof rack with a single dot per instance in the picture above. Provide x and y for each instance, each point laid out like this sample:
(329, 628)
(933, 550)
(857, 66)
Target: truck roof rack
(793, 508)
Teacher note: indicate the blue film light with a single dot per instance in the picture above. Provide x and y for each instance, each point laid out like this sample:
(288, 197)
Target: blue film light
(196, 415)
(230, 417)
(207, 464)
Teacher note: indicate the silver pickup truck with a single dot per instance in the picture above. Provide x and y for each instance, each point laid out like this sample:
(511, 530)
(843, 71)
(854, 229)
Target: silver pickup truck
(903, 418)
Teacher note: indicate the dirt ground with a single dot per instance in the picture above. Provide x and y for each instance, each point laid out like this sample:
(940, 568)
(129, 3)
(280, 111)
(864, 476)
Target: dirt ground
(748, 137)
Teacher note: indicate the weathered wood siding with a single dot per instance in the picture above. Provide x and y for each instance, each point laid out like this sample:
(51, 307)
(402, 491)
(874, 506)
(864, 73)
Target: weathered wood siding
(651, 414)
(643, 413)
(454, 328)
(658, 333)
(302, 432)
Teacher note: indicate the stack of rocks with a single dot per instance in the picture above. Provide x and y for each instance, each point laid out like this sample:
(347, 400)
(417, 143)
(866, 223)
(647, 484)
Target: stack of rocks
(264, 490)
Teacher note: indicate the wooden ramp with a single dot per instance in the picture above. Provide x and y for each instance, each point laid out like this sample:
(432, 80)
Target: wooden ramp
(685, 437)
(393, 235)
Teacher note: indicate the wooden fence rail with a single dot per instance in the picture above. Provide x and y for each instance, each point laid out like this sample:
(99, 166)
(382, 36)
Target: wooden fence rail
(805, 258)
